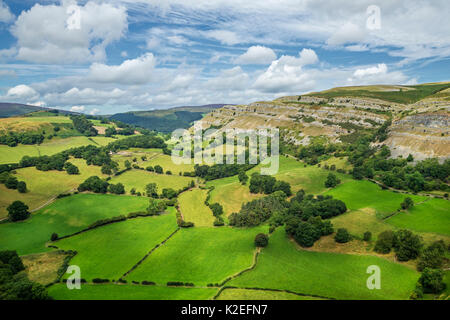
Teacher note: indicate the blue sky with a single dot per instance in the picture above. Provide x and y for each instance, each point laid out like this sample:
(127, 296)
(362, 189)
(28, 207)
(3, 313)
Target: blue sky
(121, 55)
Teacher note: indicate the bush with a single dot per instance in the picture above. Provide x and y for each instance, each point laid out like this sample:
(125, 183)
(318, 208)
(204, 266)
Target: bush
(18, 211)
(431, 280)
(54, 236)
(433, 256)
(407, 203)
(407, 245)
(22, 187)
(342, 236)
(99, 280)
(261, 240)
(332, 181)
(367, 236)
(148, 283)
(385, 242)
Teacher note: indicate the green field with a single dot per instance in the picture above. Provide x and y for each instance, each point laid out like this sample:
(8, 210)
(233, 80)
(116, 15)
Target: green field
(199, 256)
(45, 185)
(65, 216)
(430, 216)
(15, 154)
(249, 294)
(360, 194)
(138, 179)
(129, 292)
(193, 208)
(110, 251)
(282, 266)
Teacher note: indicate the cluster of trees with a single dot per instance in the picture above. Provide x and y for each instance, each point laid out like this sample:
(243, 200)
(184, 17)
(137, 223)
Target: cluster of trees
(156, 207)
(306, 233)
(14, 284)
(268, 184)
(306, 206)
(12, 182)
(18, 211)
(218, 171)
(407, 245)
(156, 169)
(12, 139)
(126, 131)
(257, 211)
(45, 163)
(83, 125)
(94, 184)
(71, 168)
(332, 180)
(311, 153)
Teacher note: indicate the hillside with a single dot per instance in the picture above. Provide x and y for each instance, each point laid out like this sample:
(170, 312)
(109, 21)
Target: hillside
(17, 109)
(420, 117)
(166, 120)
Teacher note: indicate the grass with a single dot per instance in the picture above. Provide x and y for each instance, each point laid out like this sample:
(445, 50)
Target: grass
(193, 208)
(129, 292)
(110, 251)
(43, 267)
(430, 216)
(249, 294)
(138, 179)
(44, 185)
(360, 194)
(64, 216)
(199, 256)
(15, 154)
(282, 266)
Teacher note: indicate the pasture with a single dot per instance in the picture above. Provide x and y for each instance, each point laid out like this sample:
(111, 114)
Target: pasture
(43, 186)
(360, 194)
(432, 215)
(250, 294)
(282, 266)
(199, 256)
(129, 292)
(65, 216)
(48, 148)
(110, 251)
(138, 179)
(193, 208)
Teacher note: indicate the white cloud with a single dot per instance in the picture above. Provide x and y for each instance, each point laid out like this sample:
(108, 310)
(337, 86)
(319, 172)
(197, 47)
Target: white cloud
(224, 36)
(77, 108)
(94, 111)
(348, 33)
(44, 37)
(378, 74)
(286, 74)
(5, 14)
(22, 91)
(135, 71)
(231, 79)
(257, 55)
(7, 73)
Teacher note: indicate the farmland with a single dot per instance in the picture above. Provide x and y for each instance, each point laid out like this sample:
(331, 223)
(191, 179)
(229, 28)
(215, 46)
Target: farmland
(193, 208)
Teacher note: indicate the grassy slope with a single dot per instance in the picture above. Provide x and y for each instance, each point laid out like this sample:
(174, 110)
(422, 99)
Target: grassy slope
(200, 256)
(369, 195)
(110, 251)
(129, 292)
(14, 154)
(193, 208)
(45, 185)
(140, 178)
(65, 216)
(248, 294)
(430, 216)
(282, 266)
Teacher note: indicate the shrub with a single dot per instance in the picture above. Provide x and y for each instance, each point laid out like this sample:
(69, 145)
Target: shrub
(367, 236)
(18, 211)
(54, 236)
(342, 236)
(407, 245)
(22, 187)
(148, 283)
(261, 240)
(407, 203)
(385, 242)
(332, 181)
(99, 280)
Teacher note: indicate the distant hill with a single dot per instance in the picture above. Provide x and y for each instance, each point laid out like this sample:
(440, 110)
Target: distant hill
(17, 109)
(166, 120)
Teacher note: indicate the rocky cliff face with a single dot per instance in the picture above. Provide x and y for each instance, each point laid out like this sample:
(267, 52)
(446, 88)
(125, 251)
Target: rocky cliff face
(421, 129)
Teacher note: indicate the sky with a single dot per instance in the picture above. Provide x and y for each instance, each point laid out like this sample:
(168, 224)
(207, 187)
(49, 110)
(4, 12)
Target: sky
(105, 57)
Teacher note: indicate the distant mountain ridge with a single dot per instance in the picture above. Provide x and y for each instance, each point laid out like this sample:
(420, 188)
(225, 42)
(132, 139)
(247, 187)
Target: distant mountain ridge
(18, 109)
(166, 120)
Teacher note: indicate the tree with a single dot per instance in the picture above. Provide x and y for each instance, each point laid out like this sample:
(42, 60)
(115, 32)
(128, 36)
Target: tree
(332, 181)
(127, 164)
(156, 206)
(243, 178)
(407, 203)
(94, 184)
(217, 209)
(283, 186)
(54, 236)
(18, 211)
(385, 242)
(342, 236)
(169, 193)
(433, 256)
(261, 240)
(159, 169)
(71, 168)
(431, 280)
(367, 236)
(410, 158)
(11, 182)
(116, 188)
(407, 245)
(11, 258)
(306, 234)
(22, 187)
(151, 190)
